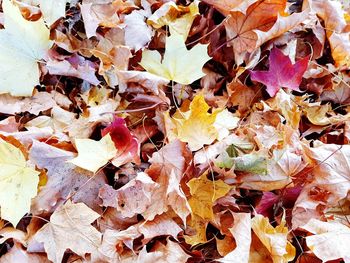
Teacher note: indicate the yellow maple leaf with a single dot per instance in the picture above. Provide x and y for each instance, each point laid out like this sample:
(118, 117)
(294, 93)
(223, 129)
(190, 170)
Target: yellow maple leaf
(18, 183)
(204, 193)
(274, 239)
(196, 126)
(92, 155)
(22, 44)
(178, 64)
(178, 18)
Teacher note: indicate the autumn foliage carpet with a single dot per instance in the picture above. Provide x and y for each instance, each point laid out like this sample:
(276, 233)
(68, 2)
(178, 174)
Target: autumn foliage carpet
(156, 131)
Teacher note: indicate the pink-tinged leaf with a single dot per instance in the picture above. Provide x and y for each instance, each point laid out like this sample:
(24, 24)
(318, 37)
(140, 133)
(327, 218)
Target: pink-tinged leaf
(126, 144)
(285, 198)
(281, 73)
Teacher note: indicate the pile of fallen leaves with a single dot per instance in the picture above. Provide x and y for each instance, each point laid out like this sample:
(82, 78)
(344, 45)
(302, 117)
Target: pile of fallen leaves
(175, 131)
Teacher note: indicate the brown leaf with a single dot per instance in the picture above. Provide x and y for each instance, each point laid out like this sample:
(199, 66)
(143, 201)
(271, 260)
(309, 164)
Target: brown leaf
(64, 179)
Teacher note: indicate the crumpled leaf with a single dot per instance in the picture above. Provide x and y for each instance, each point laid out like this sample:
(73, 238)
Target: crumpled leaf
(224, 122)
(92, 155)
(274, 239)
(98, 14)
(63, 178)
(76, 220)
(133, 198)
(241, 232)
(178, 64)
(337, 30)
(330, 182)
(167, 169)
(329, 240)
(26, 41)
(18, 183)
(178, 18)
(204, 193)
(281, 73)
(18, 254)
(137, 32)
(75, 66)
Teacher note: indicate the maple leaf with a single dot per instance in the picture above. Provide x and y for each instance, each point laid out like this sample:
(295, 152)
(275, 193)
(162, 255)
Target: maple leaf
(98, 14)
(63, 177)
(281, 73)
(240, 25)
(199, 225)
(330, 240)
(133, 198)
(137, 32)
(92, 155)
(224, 122)
(127, 145)
(226, 6)
(196, 126)
(330, 181)
(52, 9)
(76, 220)
(178, 18)
(18, 254)
(204, 193)
(18, 183)
(178, 64)
(337, 31)
(241, 232)
(23, 44)
(274, 239)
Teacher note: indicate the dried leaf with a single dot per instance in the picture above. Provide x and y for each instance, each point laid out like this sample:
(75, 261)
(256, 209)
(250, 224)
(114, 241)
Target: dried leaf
(26, 41)
(175, 59)
(76, 220)
(18, 183)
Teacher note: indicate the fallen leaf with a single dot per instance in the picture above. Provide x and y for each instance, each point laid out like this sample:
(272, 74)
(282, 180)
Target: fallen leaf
(137, 32)
(75, 66)
(92, 155)
(225, 6)
(196, 126)
(282, 73)
(274, 238)
(18, 183)
(63, 179)
(329, 240)
(337, 33)
(172, 252)
(329, 183)
(126, 144)
(176, 58)
(241, 26)
(241, 232)
(133, 198)
(26, 41)
(198, 231)
(98, 14)
(53, 10)
(204, 193)
(178, 18)
(18, 254)
(224, 122)
(76, 220)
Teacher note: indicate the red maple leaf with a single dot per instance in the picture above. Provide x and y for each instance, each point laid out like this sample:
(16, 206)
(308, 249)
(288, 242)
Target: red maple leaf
(281, 73)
